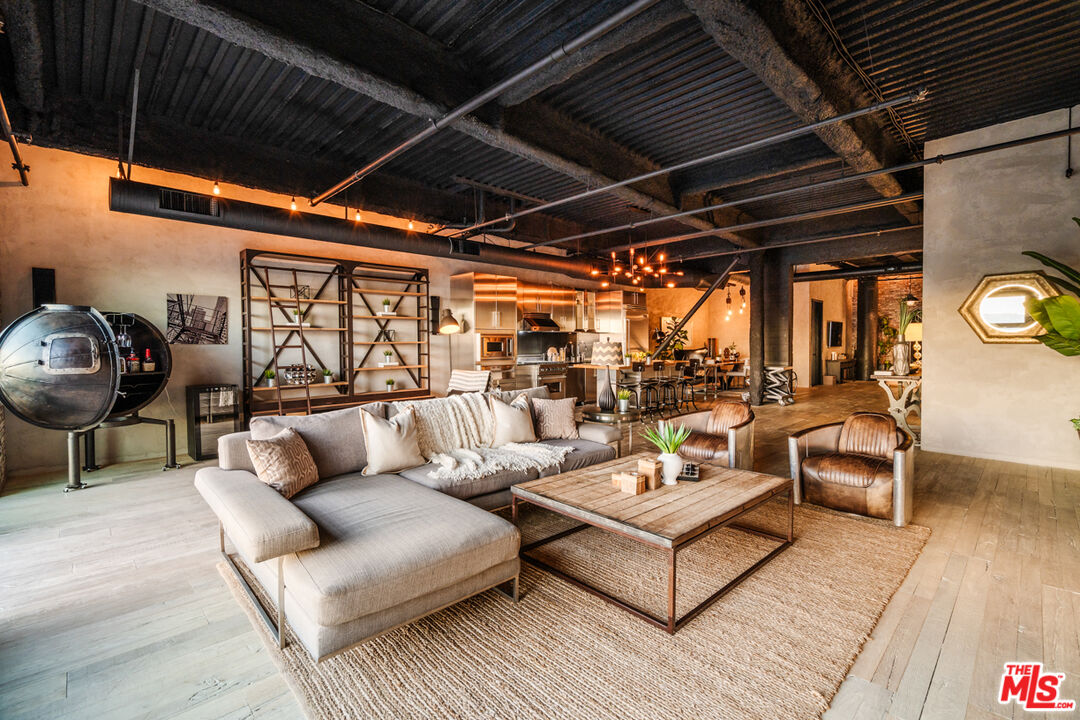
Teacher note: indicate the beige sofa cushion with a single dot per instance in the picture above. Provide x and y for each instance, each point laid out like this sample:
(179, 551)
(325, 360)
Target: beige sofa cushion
(386, 540)
(283, 462)
(392, 444)
(335, 439)
(513, 421)
(555, 419)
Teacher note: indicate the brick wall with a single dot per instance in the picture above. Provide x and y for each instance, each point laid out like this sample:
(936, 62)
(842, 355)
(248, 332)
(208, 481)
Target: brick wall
(891, 291)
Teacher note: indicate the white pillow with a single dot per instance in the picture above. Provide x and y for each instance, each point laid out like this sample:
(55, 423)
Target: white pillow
(513, 421)
(391, 444)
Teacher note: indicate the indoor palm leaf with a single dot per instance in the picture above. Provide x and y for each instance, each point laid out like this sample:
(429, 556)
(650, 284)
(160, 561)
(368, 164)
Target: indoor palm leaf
(1059, 316)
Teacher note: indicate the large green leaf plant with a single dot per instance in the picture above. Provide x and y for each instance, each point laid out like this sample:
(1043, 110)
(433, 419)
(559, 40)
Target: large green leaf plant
(1059, 315)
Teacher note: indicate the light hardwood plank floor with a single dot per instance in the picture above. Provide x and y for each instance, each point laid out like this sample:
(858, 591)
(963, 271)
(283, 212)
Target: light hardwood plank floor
(111, 606)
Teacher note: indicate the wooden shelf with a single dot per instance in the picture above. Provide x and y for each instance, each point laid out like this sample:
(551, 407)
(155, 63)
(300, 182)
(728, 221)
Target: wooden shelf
(292, 301)
(263, 388)
(297, 328)
(414, 318)
(404, 293)
(391, 342)
(389, 367)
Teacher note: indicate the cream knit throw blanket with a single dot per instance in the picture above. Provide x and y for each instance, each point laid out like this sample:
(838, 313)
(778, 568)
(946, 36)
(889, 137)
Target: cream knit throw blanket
(453, 432)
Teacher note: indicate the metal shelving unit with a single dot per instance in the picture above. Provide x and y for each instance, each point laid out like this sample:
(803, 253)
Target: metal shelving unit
(298, 309)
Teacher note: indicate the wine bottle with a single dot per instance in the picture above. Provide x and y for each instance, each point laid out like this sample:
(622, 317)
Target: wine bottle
(148, 364)
(133, 363)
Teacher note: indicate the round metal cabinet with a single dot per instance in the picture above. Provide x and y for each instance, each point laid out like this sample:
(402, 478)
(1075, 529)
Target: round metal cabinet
(60, 368)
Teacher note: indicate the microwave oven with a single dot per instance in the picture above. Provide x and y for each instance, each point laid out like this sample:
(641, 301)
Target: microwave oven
(496, 346)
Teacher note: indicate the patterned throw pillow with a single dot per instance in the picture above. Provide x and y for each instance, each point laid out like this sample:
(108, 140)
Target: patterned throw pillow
(555, 418)
(513, 421)
(283, 462)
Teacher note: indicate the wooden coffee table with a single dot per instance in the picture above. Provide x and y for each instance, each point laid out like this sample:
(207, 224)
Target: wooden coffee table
(668, 518)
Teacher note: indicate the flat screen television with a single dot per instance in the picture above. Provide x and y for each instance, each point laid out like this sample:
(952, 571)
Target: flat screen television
(835, 334)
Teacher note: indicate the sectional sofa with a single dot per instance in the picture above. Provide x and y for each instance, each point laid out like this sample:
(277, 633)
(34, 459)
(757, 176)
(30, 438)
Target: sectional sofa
(354, 555)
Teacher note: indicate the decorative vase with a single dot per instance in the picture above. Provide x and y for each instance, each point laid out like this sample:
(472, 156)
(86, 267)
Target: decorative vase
(901, 357)
(606, 398)
(623, 404)
(672, 467)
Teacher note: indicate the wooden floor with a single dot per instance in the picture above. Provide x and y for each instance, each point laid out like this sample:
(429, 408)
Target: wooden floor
(111, 606)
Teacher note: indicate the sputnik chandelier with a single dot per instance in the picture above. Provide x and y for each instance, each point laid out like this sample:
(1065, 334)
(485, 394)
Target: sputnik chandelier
(638, 270)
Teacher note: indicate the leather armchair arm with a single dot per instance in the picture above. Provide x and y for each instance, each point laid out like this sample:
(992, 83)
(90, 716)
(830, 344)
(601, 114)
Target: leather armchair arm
(262, 523)
(903, 479)
(694, 421)
(811, 441)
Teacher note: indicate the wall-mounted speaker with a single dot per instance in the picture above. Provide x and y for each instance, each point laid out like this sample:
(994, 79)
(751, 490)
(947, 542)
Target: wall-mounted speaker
(44, 286)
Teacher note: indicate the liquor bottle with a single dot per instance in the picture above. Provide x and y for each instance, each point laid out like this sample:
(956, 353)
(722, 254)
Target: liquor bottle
(133, 363)
(148, 364)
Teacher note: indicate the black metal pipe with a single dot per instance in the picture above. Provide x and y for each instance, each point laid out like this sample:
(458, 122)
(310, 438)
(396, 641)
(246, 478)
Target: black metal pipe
(490, 94)
(792, 243)
(899, 269)
(145, 199)
(771, 140)
(5, 122)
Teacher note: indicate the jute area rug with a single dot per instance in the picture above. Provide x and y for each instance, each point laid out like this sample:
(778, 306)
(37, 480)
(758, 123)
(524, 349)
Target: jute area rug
(778, 646)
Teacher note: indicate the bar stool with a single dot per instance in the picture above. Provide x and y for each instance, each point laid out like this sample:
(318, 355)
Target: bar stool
(688, 383)
(632, 380)
(665, 388)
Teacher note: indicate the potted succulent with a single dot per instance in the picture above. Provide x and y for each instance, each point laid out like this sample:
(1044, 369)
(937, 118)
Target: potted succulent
(622, 400)
(271, 378)
(388, 358)
(390, 385)
(386, 305)
(327, 376)
(668, 439)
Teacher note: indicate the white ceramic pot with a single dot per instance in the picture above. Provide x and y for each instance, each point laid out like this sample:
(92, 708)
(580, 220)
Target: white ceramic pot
(328, 379)
(672, 467)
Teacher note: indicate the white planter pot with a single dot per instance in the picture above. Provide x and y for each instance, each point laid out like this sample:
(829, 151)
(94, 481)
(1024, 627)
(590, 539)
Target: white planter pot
(327, 379)
(672, 467)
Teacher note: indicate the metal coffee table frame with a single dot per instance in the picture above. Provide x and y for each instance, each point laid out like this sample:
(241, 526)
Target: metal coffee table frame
(671, 624)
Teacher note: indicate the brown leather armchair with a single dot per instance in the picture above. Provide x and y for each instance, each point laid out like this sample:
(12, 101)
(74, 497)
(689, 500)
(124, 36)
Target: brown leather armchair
(863, 465)
(724, 434)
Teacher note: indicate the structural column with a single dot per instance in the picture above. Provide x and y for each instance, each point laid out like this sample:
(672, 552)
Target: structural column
(757, 327)
(866, 319)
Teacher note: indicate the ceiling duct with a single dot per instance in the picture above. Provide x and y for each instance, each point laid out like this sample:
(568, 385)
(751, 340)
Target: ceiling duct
(156, 201)
(858, 272)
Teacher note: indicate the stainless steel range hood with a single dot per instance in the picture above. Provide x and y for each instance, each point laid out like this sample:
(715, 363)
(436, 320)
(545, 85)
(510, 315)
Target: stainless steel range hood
(539, 322)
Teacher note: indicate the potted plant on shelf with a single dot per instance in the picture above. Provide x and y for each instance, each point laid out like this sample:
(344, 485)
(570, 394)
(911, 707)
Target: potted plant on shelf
(327, 376)
(622, 399)
(388, 358)
(271, 378)
(390, 385)
(1059, 315)
(668, 439)
(386, 306)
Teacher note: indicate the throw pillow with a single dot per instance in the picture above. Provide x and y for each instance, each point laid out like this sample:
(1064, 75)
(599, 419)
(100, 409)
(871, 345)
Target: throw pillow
(555, 418)
(283, 462)
(391, 444)
(513, 421)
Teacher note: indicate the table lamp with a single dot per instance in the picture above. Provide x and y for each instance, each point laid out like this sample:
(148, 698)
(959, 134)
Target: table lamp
(606, 354)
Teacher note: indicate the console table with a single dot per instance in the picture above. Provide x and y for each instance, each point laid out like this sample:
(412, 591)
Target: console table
(905, 396)
(840, 369)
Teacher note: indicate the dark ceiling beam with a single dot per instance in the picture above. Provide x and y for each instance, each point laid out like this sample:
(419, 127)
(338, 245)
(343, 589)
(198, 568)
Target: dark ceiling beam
(800, 154)
(176, 147)
(28, 28)
(641, 26)
(793, 57)
(303, 46)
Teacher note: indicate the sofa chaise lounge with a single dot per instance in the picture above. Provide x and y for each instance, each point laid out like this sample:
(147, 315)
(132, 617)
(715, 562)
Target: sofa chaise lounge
(353, 555)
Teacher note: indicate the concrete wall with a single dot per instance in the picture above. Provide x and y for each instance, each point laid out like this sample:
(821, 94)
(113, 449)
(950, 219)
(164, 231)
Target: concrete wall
(833, 296)
(116, 261)
(1009, 402)
(709, 321)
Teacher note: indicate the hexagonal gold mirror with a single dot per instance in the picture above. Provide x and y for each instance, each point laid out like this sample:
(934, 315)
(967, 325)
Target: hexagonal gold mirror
(995, 308)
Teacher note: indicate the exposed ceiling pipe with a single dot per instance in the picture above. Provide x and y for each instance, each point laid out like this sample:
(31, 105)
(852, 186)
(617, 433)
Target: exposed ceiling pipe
(787, 135)
(792, 243)
(895, 269)
(810, 215)
(5, 122)
(172, 204)
(721, 279)
(857, 177)
(489, 94)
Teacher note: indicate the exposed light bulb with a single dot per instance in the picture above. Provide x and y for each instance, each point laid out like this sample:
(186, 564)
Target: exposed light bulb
(648, 268)
(618, 268)
(679, 272)
(292, 204)
(605, 284)
(594, 271)
(663, 271)
(217, 188)
(411, 225)
(641, 260)
(740, 311)
(670, 284)
(634, 281)
(660, 257)
(357, 216)
(629, 274)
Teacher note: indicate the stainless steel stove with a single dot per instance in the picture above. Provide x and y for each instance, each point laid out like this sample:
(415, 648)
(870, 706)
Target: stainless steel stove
(539, 371)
